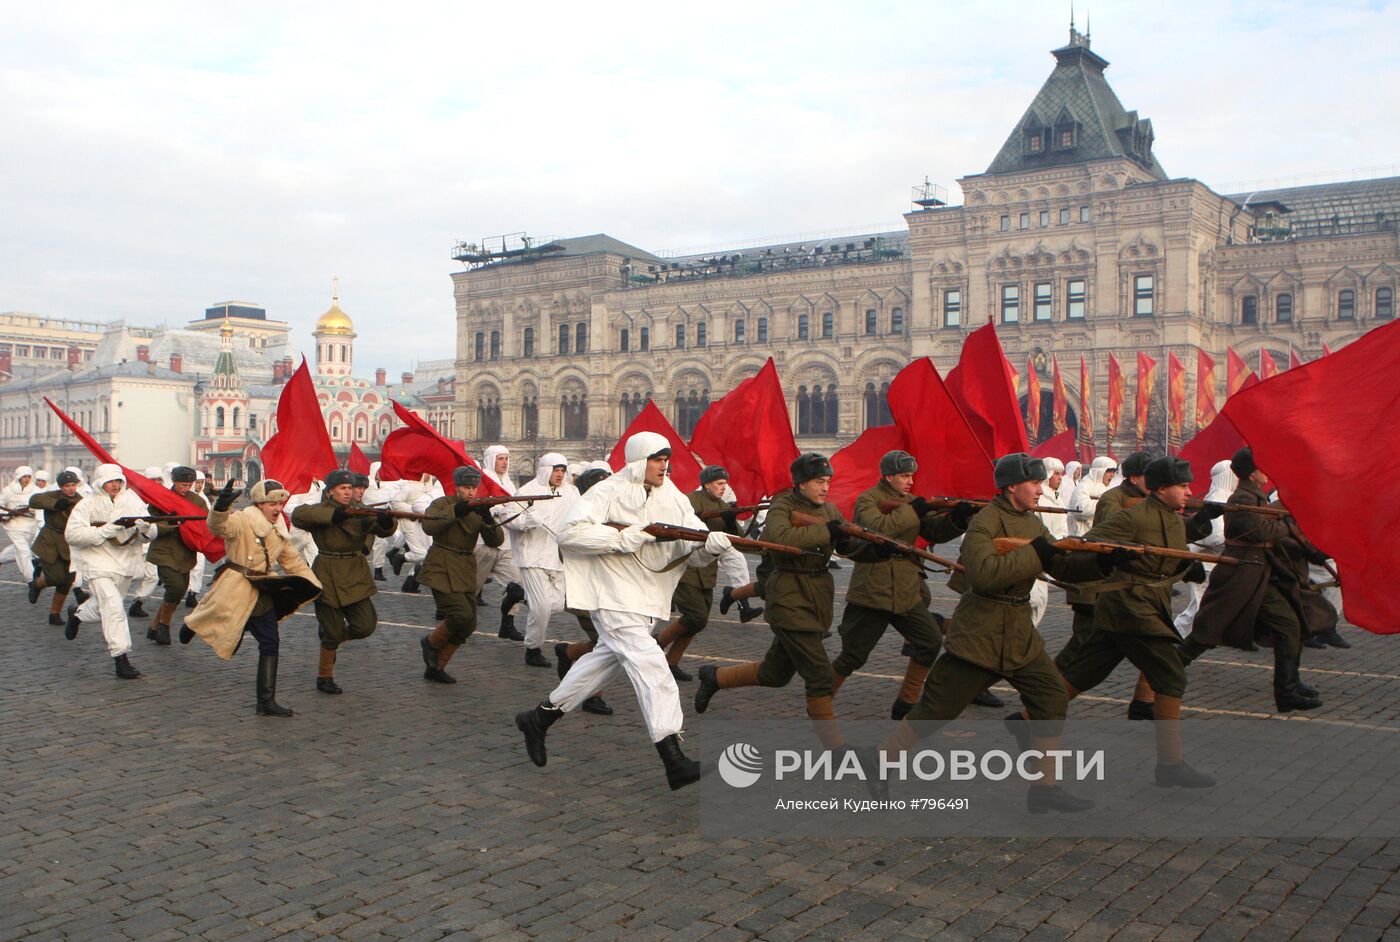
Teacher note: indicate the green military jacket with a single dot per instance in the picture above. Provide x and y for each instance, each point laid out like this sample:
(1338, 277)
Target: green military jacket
(167, 549)
(340, 551)
(798, 591)
(1137, 599)
(51, 546)
(450, 565)
(704, 577)
(1109, 504)
(992, 625)
(897, 584)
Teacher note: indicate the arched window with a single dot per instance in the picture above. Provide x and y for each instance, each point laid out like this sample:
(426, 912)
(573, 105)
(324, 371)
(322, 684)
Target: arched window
(488, 418)
(335, 428)
(1385, 303)
(529, 417)
(529, 345)
(361, 430)
(803, 330)
(897, 320)
(680, 336)
(833, 410)
(689, 407)
(871, 321)
(828, 325)
(236, 415)
(701, 335)
(738, 331)
(632, 407)
(219, 418)
(574, 414)
(623, 339)
(581, 338)
(818, 410)
(480, 349)
(804, 412)
(495, 344)
(1283, 308)
(763, 330)
(644, 343)
(563, 339)
(877, 405)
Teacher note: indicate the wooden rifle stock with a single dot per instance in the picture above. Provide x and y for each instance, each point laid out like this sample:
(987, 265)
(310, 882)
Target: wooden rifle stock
(799, 519)
(669, 531)
(739, 511)
(1195, 503)
(947, 503)
(152, 518)
(1005, 544)
(376, 511)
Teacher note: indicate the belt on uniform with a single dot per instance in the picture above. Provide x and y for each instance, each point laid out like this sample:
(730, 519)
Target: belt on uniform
(799, 571)
(325, 555)
(1247, 545)
(244, 569)
(1003, 599)
(454, 549)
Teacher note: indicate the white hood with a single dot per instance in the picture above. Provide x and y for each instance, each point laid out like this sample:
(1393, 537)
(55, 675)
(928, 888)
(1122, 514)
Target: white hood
(107, 472)
(1222, 482)
(24, 471)
(639, 447)
(488, 466)
(545, 466)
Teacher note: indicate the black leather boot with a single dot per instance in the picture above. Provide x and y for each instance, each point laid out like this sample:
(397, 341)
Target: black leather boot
(267, 688)
(137, 610)
(508, 629)
(534, 724)
(410, 585)
(1141, 710)
(1334, 639)
(514, 595)
(191, 600)
(900, 709)
(747, 612)
(988, 699)
(395, 557)
(81, 594)
(70, 627)
(34, 591)
(378, 573)
(726, 599)
(124, 669)
(1287, 696)
(709, 686)
(186, 634)
(561, 659)
(162, 634)
(680, 675)
(596, 705)
(680, 771)
(535, 658)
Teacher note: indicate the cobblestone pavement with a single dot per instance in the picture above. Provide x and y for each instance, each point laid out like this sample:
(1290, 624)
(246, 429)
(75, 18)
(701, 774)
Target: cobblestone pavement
(164, 809)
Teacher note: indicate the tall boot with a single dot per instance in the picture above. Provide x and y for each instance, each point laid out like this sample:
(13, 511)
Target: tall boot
(674, 654)
(680, 771)
(1287, 696)
(395, 557)
(713, 679)
(410, 585)
(56, 609)
(534, 724)
(36, 585)
(1172, 770)
(267, 687)
(124, 669)
(514, 595)
(438, 673)
(325, 672)
(910, 691)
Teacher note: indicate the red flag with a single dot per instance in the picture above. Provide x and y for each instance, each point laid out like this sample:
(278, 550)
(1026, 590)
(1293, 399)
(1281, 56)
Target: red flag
(952, 460)
(684, 469)
(1060, 446)
(1146, 380)
(1117, 393)
(195, 534)
(301, 450)
(1086, 401)
(1323, 424)
(1236, 372)
(983, 387)
(418, 449)
(358, 462)
(1267, 366)
(1176, 396)
(1294, 361)
(1060, 409)
(1326, 350)
(1218, 441)
(1032, 402)
(749, 431)
(1205, 389)
(856, 468)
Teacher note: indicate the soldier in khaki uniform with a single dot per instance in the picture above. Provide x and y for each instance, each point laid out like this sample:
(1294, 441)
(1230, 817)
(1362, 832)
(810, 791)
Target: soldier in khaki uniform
(799, 593)
(695, 594)
(449, 569)
(344, 611)
(1133, 612)
(991, 634)
(172, 558)
(891, 589)
(51, 548)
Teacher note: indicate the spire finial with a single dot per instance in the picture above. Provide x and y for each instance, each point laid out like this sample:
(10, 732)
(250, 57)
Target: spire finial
(335, 289)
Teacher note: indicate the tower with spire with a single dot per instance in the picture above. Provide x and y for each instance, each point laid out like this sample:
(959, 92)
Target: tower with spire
(335, 340)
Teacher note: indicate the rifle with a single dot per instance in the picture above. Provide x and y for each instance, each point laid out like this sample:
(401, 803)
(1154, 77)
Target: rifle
(947, 503)
(667, 531)
(753, 509)
(17, 512)
(799, 519)
(152, 518)
(1005, 544)
(374, 510)
(1195, 503)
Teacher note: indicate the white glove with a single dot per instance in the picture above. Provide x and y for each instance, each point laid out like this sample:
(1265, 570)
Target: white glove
(149, 530)
(717, 542)
(633, 539)
(110, 529)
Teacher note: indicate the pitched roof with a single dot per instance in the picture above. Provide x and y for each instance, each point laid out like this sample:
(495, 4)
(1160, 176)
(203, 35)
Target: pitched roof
(599, 243)
(1077, 94)
(1334, 208)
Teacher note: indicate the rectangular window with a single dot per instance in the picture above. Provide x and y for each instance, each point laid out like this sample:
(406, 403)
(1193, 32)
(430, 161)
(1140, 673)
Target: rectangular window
(1064, 215)
(1385, 303)
(1010, 304)
(763, 330)
(897, 320)
(802, 327)
(1346, 306)
(563, 339)
(1283, 308)
(581, 339)
(479, 351)
(1249, 309)
(871, 320)
(952, 307)
(21, 350)
(1035, 143)
(680, 336)
(529, 344)
(1074, 298)
(1044, 218)
(496, 344)
(1025, 221)
(828, 325)
(1042, 300)
(1142, 295)
(1083, 214)
(644, 343)
(623, 339)
(1005, 223)
(701, 335)
(739, 328)
(1066, 138)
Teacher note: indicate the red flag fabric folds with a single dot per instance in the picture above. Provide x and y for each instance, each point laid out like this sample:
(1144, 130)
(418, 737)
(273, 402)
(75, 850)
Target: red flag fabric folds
(194, 534)
(358, 463)
(856, 468)
(418, 449)
(684, 469)
(1060, 409)
(1061, 446)
(1294, 361)
(1032, 402)
(1218, 441)
(750, 433)
(1176, 396)
(1267, 367)
(1086, 403)
(982, 385)
(1146, 380)
(1323, 424)
(1117, 394)
(1236, 372)
(301, 449)
(1205, 389)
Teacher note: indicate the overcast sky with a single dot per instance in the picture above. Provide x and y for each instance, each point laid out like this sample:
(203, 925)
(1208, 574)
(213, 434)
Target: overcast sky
(159, 157)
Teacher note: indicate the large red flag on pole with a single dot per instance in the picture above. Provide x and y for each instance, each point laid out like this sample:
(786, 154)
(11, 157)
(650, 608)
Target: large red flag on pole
(1205, 389)
(1326, 423)
(419, 449)
(1236, 372)
(1032, 402)
(856, 468)
(1117, 394)
(1176, 398)
(1146, 380)
(357, 461)
(984, 387)
(1218, 441)
(1294, 361)
(1060, 446)
(1267, 367)
(1059, 414)
(749, 431)
(195, 534)
(1086, 403)
(301, 450)
(684, 469)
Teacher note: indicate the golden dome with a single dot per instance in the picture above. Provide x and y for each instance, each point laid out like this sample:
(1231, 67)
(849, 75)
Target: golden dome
(335, 321)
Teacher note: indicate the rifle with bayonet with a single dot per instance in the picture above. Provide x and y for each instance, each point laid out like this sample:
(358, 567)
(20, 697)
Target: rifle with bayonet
(1005, 544)
(948, 503)
(667, 531)
(799, 519)
(374, 510)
